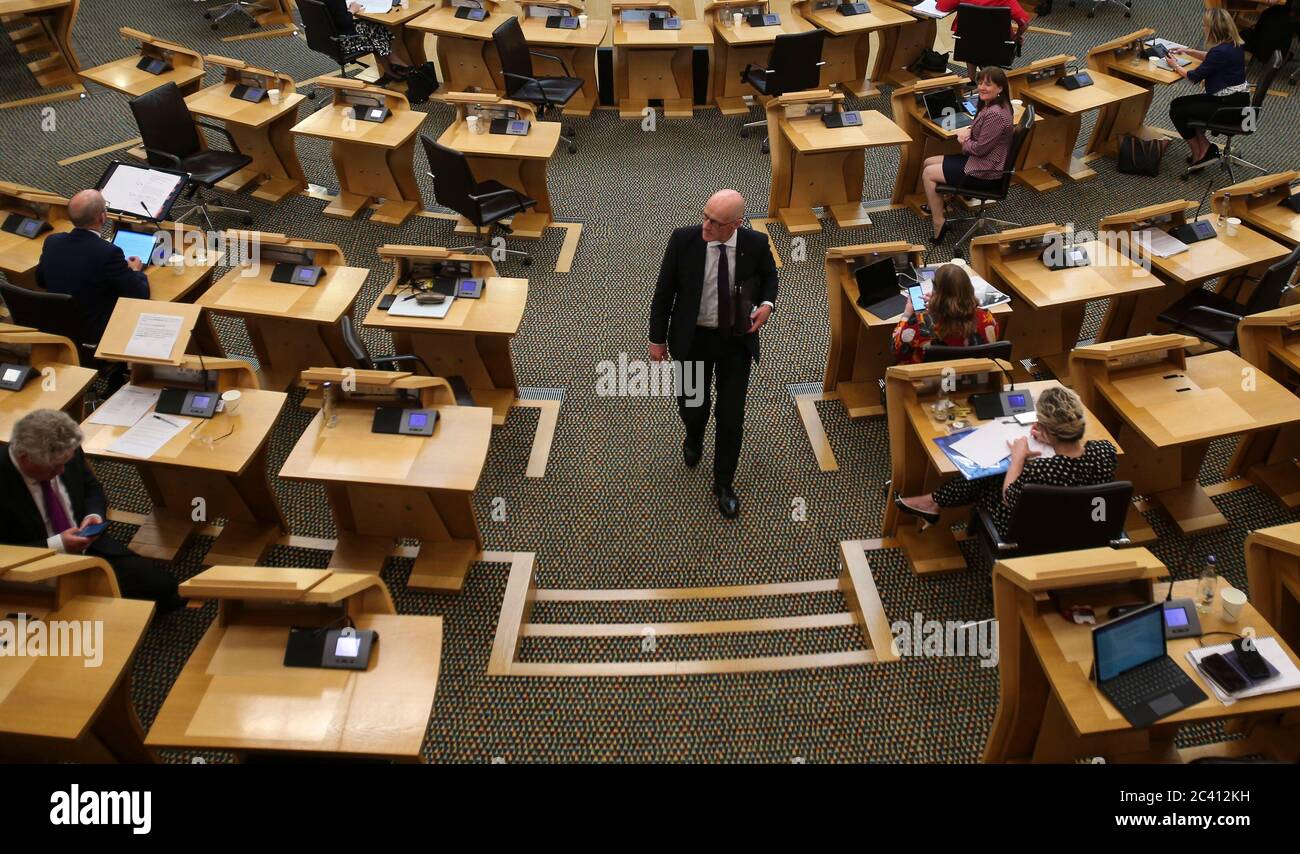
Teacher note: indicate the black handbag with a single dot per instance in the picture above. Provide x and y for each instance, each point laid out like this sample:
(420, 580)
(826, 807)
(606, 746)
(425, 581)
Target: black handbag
(1140, 156)
(931, 61)
(421, 83)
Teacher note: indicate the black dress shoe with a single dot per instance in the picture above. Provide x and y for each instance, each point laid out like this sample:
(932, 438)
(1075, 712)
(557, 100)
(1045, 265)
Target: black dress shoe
(931, 518)
(728, 503)
(691, 454)
(943, 232)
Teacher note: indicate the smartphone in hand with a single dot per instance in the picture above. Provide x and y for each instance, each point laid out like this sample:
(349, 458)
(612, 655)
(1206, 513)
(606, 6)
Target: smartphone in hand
(92, 530)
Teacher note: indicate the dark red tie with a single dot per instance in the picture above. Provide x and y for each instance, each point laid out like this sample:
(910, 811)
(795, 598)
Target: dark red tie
(54, 507)
(724, 289)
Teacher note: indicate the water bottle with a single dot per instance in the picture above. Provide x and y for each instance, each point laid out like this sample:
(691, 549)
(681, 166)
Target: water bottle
(1207, 585)
(330, 404)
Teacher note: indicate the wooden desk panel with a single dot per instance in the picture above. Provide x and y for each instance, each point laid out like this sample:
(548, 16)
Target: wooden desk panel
(263, 131)
(67, 385)
(736, 47)
(409, 40)
(847, 47)
(20, 256)
(121, 75)
(656, 64)
(517, 161)
(466, 55)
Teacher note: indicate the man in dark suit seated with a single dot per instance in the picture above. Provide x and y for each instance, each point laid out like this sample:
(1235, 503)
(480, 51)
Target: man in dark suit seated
(716, 289)
(90, 269)
(46, 486)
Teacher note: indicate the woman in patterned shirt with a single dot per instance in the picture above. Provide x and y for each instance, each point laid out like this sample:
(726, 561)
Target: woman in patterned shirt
(951, 316)
(1061, 423)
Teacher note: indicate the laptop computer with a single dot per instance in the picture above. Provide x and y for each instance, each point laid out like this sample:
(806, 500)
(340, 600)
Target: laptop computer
(878, 289)
(936, 103)
(1134, 672)
(138, 244)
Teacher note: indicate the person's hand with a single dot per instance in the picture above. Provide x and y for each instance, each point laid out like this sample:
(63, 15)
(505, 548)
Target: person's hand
(1020, 449)
(908, 311)
(91, 519)
(354, 7)
(135, 264)
(73, 543)
(1176, 50)
(1177, 69)
(963, 134)
(759, 317)
(658, 352)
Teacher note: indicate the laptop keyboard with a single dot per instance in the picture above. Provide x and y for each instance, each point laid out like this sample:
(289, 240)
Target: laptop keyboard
(1145, 683)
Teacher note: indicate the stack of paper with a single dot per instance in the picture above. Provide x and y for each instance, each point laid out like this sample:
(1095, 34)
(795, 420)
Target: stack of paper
(375, 7)
(403, 307)
(126, 407)
(148, 436)
(1287, 678)
(154, 336)
(929, 9)
(990, 444)
(1162, 245)
(138, 189)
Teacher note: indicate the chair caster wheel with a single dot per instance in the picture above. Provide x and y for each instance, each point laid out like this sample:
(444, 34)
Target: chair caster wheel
(528, 262)
(767, 147)
(573, 149)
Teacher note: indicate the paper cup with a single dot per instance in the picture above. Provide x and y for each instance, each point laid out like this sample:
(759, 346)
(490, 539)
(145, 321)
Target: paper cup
(1016, 102)
(274, 95)
(1233, 224)
(736, 18)
(1232, 601)
(582, 22)
(177, 263)
(230, 400)
(472, 123)
(958, 261)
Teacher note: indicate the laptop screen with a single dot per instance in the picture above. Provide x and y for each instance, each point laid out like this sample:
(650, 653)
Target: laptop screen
(135, 243)
(937, 102)
(1128, 642)
(877, 281)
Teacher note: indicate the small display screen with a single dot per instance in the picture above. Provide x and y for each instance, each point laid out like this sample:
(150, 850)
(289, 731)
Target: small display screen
(377, 113)
(254, 94)
(468, 286)
(11, 374)
(971, 105)
(1016, 399)
(305, 274)
(347, 646)
(568, 23)
(519, 126)
(201, 401)
(134, 244)
(477, 14)
(418, 420)
(29, 227)
(1175, 617)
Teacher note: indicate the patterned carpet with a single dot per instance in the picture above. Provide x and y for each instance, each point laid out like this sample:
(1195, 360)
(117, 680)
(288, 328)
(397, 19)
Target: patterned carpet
(616, 508)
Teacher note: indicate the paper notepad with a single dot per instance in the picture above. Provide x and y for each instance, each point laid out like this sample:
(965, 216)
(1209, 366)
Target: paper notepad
(1287, 679)
(148, 436)
(929, 9)
(154, 336)
(126, 407)
(1162, 245)
(411, 308)
(988, 444)
(375, 7)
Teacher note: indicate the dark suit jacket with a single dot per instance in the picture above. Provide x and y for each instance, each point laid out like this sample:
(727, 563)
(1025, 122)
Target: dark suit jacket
(21, 523)
(93, 272)
(675, 308)
(343, 20)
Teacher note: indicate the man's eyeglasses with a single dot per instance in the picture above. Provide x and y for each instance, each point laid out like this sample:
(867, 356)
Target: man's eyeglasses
(711, 221)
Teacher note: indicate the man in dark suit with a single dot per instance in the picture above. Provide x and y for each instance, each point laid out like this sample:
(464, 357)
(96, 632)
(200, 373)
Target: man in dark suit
(46, 487)
(89, 268)
(716, 289)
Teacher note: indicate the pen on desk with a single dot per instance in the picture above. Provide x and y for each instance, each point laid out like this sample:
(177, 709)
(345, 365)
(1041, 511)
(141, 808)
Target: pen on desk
(166, 420)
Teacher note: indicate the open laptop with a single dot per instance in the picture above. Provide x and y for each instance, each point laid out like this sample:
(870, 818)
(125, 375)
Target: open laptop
(936, 103)
(140, 244)
(878, 289)
(1135, 673)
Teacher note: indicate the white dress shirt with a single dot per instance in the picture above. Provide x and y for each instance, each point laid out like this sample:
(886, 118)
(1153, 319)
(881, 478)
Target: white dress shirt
(34, 487)
(709, 295)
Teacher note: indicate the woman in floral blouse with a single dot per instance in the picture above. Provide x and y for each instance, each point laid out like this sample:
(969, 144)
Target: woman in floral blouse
(952, 316)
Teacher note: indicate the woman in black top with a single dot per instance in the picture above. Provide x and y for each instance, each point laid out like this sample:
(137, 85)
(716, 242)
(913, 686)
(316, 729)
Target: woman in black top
(1223, 73)
(361, 36)
(1061, 423)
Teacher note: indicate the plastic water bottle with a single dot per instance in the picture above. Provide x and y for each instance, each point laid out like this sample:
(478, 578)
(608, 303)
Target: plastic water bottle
(1208, 583)
(330, 404)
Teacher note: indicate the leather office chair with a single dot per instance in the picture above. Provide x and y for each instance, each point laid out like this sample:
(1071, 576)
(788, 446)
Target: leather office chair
(547, 94)
(323, 37)
(1000, 350)
(1093, 4)
(794, 65)
(1213, 317)
(983, 36)
(994, 194)
(361, 353)
(1232, 122)
(1052, 519)
(220, 12)
(483, 203)
(56, 314)
(171, 140)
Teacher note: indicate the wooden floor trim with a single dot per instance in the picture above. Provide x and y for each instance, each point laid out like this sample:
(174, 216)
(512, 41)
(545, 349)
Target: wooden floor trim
(733, 591)
(68, 95)
(699, 627)
(760, 224)
(806, 404)
(1236, 484)
(263, 34)
(68, 161)
(1049, 31)
(761, 664)
(569, 248)
(548, 416)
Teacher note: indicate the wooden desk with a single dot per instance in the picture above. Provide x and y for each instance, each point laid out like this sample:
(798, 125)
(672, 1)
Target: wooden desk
(1167, 409)
(221, 460)
(736, 47)
(1120, 59)
(1257, 203)
(578, 49)
(847, 48)
(260, 130)
(899, 47)
(121, 75)
(1049, 304)
(814, 166)
(1048, 708)
(63, 708)
(60, 382)
(49, 33)
(1052, 141)
(473, 340)
(291, 327)
(20, 256)
(235, 692)
(517, 161)
(1273, 572)
(466, 55)
(373, 160)
(383, 487)
(408, 40)
(655, 64)
(1270, 341)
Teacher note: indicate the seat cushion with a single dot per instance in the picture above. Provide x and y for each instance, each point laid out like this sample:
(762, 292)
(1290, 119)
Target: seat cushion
(970, 192)
(1211, 327)
(502, 206)
(557, 90)
(757, 79)
(209, 167)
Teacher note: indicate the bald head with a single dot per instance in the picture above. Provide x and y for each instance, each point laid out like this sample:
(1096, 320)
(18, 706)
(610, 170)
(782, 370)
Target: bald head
(86, 209)
(726, 205)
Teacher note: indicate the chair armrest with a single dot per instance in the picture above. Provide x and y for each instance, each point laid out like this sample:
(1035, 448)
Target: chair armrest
(234, 146)
(1216, 312)
(990, 530)
(393, 360)
(533, 80)
(478, 198)
(166, 154)
(554, 58)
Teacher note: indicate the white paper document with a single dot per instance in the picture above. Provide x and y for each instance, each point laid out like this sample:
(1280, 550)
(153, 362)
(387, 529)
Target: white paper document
(375, 7)
(1287, 678)
(126, 407)
(135, 189)
(148, 436)
(988, 444)
(154, 336)
(1162, 245)
(929, 9)
(410, 308)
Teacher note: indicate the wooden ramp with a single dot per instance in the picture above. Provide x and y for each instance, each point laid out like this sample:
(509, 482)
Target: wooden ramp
(855, 582)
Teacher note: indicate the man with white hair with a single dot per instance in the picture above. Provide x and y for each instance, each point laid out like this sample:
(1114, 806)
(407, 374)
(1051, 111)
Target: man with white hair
(47, 486)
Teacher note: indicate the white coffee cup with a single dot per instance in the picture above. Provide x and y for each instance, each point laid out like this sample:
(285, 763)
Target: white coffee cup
(274, 95)
(177, 263)
(1232, 601)
(1233, 224)
(472, 123)
(582, 22)
(1016, 102)
(958, 261)
(230, 401)
(736, 18)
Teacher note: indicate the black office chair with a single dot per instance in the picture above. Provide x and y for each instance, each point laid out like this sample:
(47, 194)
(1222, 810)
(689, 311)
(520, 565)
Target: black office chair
(219, 13)
(1213, 317)
(982, 36)
(483, 203)
(361, 353)
(57, 315)
(171, 140)
(1000, 350)
(323, 37)
(547, 94)
(1052, 519)
(1232, 122)
(794, 65)
(997, 193)
(1093, 4)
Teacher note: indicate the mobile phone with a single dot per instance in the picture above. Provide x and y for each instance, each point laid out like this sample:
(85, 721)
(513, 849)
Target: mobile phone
(918, 300)
(1161, 50)
(1223, 673)
(1250, 660)
(92, 530)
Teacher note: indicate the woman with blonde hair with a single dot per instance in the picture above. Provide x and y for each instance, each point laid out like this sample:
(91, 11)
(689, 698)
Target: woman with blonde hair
(1223, 74)
(1061, 425)
(952, 316)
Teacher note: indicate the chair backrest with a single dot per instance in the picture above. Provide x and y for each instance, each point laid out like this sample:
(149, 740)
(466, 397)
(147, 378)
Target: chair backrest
(1066, 518)
(512, 48)
(1268, 293)
(1266, 82)
(1018, 137)
(944, 353)
(48, 312)
(166, 124)
(322, 33)
(453, 180)
(984, 35)
(793, 62)
(355, 345)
